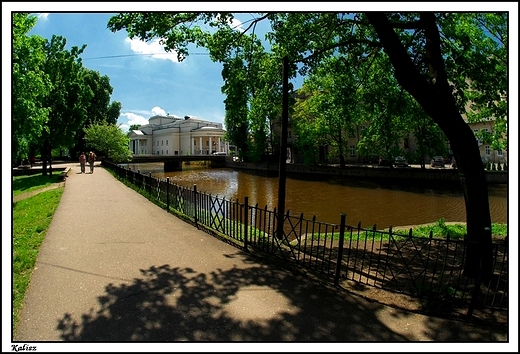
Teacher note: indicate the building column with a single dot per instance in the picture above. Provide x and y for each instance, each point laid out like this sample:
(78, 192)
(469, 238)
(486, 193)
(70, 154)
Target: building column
(200, 145)
(210, 146)
(219, 148)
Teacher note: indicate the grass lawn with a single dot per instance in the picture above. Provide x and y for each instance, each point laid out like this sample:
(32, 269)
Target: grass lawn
(23, 184)
(31, 219)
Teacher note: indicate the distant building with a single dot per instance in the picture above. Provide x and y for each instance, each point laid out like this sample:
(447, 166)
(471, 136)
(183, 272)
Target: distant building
(170, 135)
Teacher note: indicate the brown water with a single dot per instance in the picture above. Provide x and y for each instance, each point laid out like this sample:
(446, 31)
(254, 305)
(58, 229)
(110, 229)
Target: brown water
(369, 203)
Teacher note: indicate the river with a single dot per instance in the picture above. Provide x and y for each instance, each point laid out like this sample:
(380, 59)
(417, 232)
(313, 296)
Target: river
(366, 202)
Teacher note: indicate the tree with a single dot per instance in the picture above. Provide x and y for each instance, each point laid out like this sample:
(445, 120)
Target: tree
(29, 84)
(99, 108)
(67, 99)
(330, 112)
(248, 72)
(436, 58)
(435, 95)
(109, 140)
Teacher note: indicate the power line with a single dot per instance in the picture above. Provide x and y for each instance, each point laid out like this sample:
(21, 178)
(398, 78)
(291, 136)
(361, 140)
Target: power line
(137, 55)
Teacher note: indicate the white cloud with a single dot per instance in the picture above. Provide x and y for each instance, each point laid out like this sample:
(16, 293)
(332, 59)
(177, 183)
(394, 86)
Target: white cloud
(127, 119)
(158, 111)
(43, 16)
(152, 49)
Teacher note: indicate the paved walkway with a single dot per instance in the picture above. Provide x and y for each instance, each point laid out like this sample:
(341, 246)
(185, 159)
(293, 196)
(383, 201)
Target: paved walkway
(114, 267)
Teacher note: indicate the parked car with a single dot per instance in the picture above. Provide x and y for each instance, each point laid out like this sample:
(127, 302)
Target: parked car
(371, 159)
(400, 161)
(437, 161)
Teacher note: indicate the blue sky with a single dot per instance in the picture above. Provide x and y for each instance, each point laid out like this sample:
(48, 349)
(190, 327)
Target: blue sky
(146, 80)
(145, 84)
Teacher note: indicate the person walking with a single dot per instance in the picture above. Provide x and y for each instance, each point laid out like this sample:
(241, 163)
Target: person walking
(82, 161)
(91, 159)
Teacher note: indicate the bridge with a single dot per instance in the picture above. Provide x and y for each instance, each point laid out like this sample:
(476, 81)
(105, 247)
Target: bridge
(174, 163)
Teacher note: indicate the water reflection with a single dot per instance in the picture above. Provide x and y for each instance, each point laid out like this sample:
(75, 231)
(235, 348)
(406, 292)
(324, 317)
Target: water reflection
(370, 203)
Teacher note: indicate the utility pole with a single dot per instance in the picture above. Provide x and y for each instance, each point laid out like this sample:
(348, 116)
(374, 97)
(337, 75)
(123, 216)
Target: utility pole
(283, 150)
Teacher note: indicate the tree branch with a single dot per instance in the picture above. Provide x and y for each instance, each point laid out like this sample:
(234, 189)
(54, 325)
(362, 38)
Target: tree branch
(338, 45)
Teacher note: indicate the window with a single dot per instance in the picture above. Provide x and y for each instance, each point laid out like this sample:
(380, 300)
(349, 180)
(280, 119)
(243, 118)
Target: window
(166, 150)
(194, 142)
(166, 145)
(162, 142)
(162, 152)
(157, 152)
(500, 152)
(488, 150)
(352, 150)
(406, 144)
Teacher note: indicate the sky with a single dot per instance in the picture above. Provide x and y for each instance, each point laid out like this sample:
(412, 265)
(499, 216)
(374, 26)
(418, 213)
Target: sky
(147, 81)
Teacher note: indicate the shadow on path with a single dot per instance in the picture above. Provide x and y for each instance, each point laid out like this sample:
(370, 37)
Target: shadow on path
(180, 304)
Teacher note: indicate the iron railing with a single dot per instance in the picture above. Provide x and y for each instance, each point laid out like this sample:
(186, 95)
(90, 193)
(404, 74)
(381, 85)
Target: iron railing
(423, 267)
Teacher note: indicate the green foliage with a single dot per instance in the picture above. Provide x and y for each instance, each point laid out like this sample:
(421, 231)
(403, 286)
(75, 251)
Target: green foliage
(54, 96)
(99, 108)
(456, 231)
(110, 140)
(29, 85)
(478, 51)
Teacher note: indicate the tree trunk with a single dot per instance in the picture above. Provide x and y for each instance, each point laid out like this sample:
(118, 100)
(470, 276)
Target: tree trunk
(437, 100)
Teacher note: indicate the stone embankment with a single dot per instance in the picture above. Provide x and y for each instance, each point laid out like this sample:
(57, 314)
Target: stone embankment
(360, 171)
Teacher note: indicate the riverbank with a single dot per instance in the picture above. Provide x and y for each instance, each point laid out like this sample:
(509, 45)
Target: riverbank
(371, 172)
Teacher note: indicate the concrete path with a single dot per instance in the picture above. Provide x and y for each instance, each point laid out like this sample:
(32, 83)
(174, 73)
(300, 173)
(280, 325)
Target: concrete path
(114, 267)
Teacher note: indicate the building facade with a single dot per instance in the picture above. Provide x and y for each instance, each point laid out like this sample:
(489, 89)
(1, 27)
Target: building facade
(175, 136)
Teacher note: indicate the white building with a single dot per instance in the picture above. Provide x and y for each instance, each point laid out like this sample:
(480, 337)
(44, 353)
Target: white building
(173, 136)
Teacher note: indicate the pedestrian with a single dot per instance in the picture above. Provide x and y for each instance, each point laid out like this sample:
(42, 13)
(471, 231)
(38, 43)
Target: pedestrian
(82, 161)
(91, 159)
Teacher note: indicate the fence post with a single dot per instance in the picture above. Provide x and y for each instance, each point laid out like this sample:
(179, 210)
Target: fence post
(246, 217)
(195, 203)
(340, 249)
(168, 194)
(150, 185)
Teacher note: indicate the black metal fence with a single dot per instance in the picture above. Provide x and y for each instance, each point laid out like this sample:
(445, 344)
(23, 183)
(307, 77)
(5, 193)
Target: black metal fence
(428, 268)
